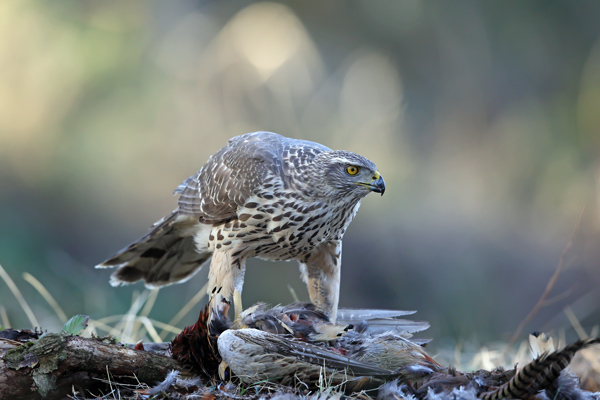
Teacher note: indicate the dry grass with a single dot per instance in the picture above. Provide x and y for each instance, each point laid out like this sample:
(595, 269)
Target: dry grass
(131, 327)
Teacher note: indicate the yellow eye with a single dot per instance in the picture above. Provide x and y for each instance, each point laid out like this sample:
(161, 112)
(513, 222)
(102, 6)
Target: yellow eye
(352, 170)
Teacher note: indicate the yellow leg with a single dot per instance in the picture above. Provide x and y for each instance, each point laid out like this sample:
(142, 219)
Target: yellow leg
(237, 304)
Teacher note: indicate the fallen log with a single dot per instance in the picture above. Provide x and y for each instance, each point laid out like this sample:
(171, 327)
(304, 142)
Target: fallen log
(57, 363)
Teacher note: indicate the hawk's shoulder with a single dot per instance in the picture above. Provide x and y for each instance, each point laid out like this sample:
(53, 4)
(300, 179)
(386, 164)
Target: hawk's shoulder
(239, 169)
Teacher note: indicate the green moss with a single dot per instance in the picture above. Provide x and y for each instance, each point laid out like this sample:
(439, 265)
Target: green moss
(15, 356)
(43, 355)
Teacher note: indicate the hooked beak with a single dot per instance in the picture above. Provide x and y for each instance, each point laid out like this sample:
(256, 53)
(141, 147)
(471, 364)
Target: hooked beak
(378, 184)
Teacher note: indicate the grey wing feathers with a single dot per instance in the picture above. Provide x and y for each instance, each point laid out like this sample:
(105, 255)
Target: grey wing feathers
(356, 315)
(380, 321)
(230, 176)
(166, 255)
(236, 172)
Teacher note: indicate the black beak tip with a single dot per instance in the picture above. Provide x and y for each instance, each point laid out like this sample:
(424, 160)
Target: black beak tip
(378, 186)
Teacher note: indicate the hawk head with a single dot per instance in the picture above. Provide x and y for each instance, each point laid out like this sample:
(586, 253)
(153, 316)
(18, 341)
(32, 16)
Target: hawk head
(343, 173)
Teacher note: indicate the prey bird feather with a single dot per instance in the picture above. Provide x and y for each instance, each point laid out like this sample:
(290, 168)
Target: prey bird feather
(262, 195)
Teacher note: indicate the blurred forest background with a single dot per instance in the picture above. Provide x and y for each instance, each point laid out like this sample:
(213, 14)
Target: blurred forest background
(483, 118)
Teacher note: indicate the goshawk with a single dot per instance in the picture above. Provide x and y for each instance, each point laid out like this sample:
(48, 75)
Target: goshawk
(263, 195)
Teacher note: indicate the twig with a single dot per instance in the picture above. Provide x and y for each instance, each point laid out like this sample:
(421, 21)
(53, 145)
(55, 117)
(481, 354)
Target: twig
(542, 301)
(33, 372)
(560, 296)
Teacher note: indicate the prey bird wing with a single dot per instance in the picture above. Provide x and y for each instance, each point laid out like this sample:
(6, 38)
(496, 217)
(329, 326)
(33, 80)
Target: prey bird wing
(379, 321)
(255, 355)
(307, 352)
(357, 314)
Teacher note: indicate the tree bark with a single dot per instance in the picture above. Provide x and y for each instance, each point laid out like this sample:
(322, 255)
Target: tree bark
(55, 363)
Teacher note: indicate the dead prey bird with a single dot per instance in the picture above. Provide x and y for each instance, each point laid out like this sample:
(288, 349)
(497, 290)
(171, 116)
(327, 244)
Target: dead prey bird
(296, 345)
